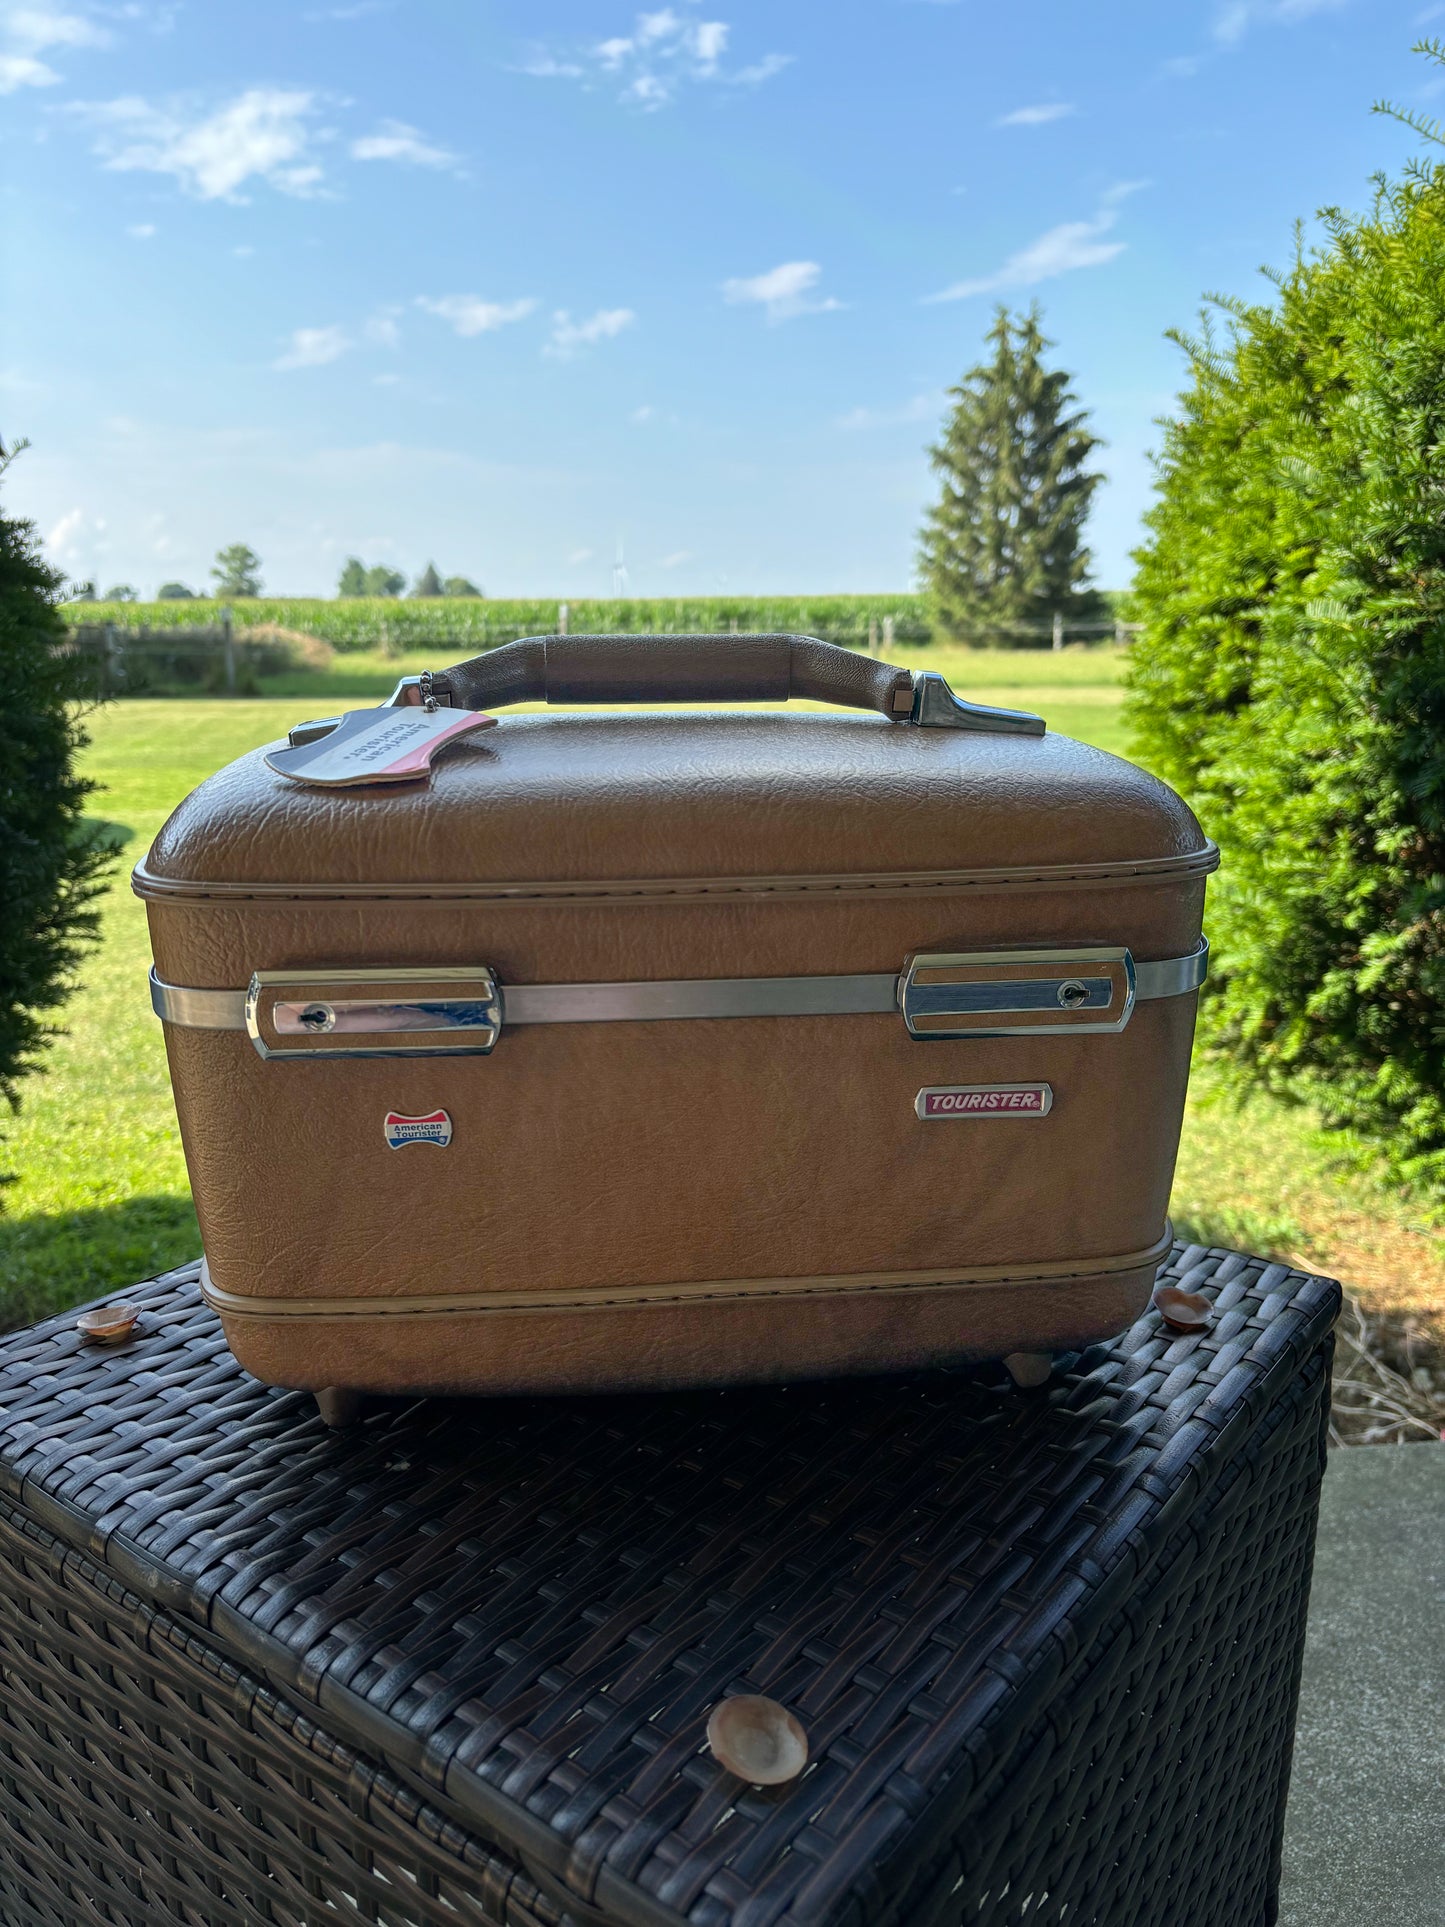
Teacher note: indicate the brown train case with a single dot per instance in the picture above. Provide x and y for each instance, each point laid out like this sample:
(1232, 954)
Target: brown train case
(664, 1048)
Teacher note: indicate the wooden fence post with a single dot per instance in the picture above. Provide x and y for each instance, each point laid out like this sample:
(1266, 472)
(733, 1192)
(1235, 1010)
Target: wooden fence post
(1058, 629)
(228, 649)
(887, 633)
(873, 635)
(562, 614)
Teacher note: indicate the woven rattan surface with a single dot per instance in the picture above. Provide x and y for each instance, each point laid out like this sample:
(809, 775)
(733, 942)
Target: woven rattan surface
(455, 1666)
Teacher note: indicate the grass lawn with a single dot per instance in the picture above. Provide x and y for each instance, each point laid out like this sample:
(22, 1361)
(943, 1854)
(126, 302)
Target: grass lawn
(100, 1198)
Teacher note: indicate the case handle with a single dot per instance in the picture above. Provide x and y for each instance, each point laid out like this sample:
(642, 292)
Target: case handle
(753, 668)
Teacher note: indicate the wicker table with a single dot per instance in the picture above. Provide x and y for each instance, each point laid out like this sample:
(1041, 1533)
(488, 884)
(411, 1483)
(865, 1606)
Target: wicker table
(455, 1666)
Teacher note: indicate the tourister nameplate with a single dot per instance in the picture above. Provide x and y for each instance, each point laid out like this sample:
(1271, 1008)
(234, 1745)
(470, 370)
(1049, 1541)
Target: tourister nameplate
(984, 1100)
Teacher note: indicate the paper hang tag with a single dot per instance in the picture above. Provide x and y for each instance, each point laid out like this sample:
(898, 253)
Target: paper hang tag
(377, 746)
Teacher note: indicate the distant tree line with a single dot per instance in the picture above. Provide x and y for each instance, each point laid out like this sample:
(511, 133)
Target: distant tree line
(237, 575)
(358, 580)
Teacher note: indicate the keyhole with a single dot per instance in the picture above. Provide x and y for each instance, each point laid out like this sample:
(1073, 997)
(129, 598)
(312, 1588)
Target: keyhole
(316, 1017)
(1072, 994)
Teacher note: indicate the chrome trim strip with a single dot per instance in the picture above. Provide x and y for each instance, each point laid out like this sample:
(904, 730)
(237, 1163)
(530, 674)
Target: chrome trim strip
(700, 997)
(711, 997)
(234, 1304)
(1174, 976)
(197, 1009)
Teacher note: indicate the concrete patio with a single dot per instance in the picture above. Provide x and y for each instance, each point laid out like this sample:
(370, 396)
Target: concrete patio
(1365, 1832)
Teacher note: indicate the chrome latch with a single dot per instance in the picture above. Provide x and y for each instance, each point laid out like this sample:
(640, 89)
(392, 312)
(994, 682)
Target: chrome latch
(1002, 993)
(373, 1013)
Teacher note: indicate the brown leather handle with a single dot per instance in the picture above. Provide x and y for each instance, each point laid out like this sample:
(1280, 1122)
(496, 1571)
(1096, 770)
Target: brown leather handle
(690, 669)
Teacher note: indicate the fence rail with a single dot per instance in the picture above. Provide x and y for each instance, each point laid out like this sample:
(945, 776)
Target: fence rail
(223, 658)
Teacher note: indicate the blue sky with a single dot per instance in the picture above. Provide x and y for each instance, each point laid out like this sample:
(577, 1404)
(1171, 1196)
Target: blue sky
(502, 285)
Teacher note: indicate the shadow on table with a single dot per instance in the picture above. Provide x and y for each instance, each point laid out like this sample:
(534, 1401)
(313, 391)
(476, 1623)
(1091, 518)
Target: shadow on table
(51, 1260)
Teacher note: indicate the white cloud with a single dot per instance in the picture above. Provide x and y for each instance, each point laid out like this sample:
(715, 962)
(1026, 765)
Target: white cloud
(662, 52)
(1036, 116)
(314, 347)
(643, 414)
(24, 70)
(36, 28)
(579, 556)
(1235, 17)
(142, 231)
(28, 32)
(676, 559)
(469, 314)
(783, 292)
(544, 66)
(569, 335)
(263, 134)
(63, 539)
(1073, 244)
(396, 141)
(921, 408)
(760, 70)
(381, 329)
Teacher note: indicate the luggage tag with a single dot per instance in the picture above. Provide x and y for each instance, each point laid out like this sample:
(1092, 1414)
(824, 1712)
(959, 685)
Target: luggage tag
(377, 746)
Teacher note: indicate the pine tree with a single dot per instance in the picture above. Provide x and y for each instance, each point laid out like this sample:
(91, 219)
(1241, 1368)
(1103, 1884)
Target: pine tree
(428, 583)
(352, 580)
(1004, 545)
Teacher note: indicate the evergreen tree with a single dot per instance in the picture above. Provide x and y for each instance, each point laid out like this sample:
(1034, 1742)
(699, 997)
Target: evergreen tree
(1004, 545)
(428, 583)
(352, 580)
(51, 861)
(1290, 678)
(237, 571)
(459, 585)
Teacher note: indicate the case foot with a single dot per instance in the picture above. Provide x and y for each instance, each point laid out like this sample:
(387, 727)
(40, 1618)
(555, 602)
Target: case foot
(338, 1407)
(1028, 1370)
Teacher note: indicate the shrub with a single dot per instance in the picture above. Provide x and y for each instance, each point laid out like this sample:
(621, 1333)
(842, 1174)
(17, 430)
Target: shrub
(1290, 679)
(51, 862)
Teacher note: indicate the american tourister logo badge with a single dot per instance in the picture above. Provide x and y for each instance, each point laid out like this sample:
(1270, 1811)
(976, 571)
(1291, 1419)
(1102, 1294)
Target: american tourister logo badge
(984, 1100)
(434, 1128)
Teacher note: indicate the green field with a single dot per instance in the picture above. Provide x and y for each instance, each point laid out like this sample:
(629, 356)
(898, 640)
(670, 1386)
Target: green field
(100, 1197)
(399, 623)
(367, 622)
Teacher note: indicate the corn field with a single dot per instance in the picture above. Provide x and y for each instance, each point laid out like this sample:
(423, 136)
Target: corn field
(389, 623)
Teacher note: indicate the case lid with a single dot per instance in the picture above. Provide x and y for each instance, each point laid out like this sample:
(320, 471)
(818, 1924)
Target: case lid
(601, 800)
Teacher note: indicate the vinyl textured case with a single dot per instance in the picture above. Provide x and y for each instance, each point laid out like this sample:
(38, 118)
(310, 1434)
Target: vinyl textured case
(680, 1048)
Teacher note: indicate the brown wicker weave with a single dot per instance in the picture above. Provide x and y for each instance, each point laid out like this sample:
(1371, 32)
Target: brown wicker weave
(455, 1667)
